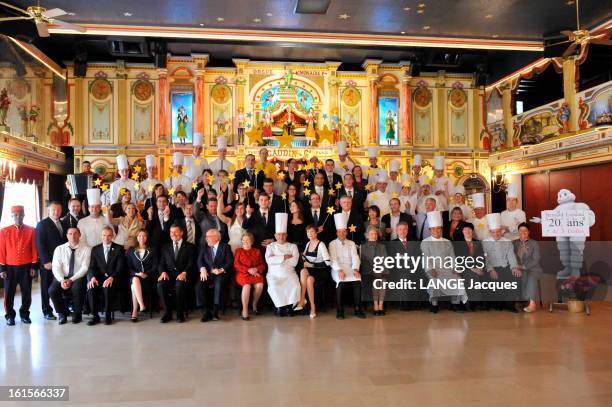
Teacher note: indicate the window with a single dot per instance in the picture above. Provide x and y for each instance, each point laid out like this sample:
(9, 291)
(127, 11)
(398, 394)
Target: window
(19, 193)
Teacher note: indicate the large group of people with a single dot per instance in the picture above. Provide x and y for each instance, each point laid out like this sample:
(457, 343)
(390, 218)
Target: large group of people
(210, 235)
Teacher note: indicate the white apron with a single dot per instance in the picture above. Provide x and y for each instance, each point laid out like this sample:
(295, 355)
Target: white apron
(283, 282)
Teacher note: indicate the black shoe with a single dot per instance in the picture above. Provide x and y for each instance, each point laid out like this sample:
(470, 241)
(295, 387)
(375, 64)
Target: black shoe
(360, 314)
(50, 317)
(93, 321)
(26, 320)
(255, 312)
(77, 319)
(245, 318)
(215, 316)
(62, 319)
(339, 315)
(180, 318)
(134, 319)
(434, 309)
(10, 321)
(166, 318)
(108, 321)
(382, 312)
(205, 317)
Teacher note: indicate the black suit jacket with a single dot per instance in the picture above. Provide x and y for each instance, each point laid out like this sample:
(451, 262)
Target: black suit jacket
(277, 205)
(359, 197)
(198, 231)
(336, 179)
(458, 233)
(69, 221)
(223, 258)
(158, 236)
(48, 237)
(261, 230)
(404, 217)
(329, 232)
(147, 265)
(243, 175)
(99, 268)
(296, 178)
(355, 219)
(184, 262)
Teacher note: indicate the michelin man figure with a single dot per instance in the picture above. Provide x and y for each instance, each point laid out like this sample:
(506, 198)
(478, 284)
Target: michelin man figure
(570, 248)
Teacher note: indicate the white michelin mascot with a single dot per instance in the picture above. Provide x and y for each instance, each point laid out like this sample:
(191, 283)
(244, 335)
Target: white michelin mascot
(570, 248)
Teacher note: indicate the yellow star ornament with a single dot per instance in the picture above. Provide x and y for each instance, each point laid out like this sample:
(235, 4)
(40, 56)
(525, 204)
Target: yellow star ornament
(371, 171)
(306, 192)
(255, 136)
(352, 228)
(171, 191)
(339, 185)
(184, 169)
(210, 179)
(368, 187)
(284, 196)
(306, 183)
(331, 191)
(135, 176)
(281, 176)
(104, 187)
(246, 183)
(330, 210)
(150, 188)
(137, 168)
(326, 135)
(231, 177)
(194, 185)
(98, 182)
(394, 195)
(137, 186)
(122, 191)
(308, 166)
(285, 139)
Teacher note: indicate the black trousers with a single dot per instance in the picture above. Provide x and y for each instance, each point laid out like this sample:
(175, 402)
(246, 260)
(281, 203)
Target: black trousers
(58, 296)
(505, 296)
(164, 289)
(94, 294)
(203, 289)
(46, 279)
(17, 275)
(356, 286)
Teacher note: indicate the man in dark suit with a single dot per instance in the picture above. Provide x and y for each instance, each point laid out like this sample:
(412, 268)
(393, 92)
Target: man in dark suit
(106, 264)
(175, 263)
(277, 204)
(320, 189)
(71, 219)
(355, 221)
(208, 219)
(260, 222)
(320, 218)
(348, 189)
(191, 227)
(215, 263)
(292, 175)
(248, 174)
(409, 299)
(331, 178)
(160, 220)
(422, 227)
(394, 218)
(49, 234)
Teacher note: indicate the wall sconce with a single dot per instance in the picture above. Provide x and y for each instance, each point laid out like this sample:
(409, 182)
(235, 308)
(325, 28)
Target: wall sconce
(8, 170)
(499, 182)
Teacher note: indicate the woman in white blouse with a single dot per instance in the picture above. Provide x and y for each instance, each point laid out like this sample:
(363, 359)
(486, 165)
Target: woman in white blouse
(128, 226)
(316, 268)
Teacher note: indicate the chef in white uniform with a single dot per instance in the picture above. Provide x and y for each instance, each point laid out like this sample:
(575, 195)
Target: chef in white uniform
(380, 197)
(425, 192)
(178, 182)
(345, 267)
(222, 163)
(395, 183)
(147, 186)
(437, 247)
(124, 182)
(282, 257)
(91, 226)
(417, 161)
(195, 163)
(512, 216)
(373, 168)
(345, 164)
(407, 199)
(480, 216)
(458, 200)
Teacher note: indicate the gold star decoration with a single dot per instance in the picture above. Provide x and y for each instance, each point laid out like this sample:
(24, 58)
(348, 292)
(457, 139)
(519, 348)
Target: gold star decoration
(374, 195)
(352, 228)
(368, 187)
(306, 183)
(231, 177)
(394, 194)
(330, 210)
(135, 176)
(281, 176)
(406, 184)
(246, 183)
(210, 179)
(104, 187)
(197, 161)
(174, 173)
(171, 191)
(331, 191)
(122, 191)
(150, 188)
(319, 165)
(137, 168)
(194, 185)
(98, 182)
(306, 192)
(326, 135)
(284, 196)
(371, 171)
(339, 185)
(255, 136)
(137, 186)
(285, 139)
(308, 166)
(184, 169)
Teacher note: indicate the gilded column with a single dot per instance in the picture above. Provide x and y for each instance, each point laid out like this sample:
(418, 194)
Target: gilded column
(569, 90)
(507, 110)
(241, 102)
(200, 93)
(406, 110)
(163, 97)
(123, 104)
(78, 113)
(371, 67)
(441, 108)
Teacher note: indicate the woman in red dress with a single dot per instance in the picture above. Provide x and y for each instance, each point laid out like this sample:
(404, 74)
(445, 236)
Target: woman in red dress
(249, 265)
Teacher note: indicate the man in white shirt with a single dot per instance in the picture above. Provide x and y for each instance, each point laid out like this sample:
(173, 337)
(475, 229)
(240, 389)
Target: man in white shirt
(70, 265)
(91, 226)
(179, 181)
(222, 163)
(381, 196)
(373, 171)
(124, 181)
(512, 216)
(458, 201)
(345, 164)
(441, 182)
(147, 186)
(423, 227)
(394, 186)
(479, 220)
(195, 163)
(345, 267)
(417, 181)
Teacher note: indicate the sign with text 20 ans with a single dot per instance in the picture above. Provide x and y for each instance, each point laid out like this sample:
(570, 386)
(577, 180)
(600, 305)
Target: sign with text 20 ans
(570, 223)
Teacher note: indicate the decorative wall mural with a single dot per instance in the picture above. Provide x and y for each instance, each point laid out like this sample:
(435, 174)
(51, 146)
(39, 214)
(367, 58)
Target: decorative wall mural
(182, 116)
(457, 115)
(221, 94)
(100, 110)
(423, 115)
(351, 97)
(142, 90)
(387, 120)
(142, 112)
(221, 119)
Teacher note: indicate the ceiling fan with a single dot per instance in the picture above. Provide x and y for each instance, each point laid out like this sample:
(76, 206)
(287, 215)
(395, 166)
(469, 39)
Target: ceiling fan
(42, 18)
(581, 37)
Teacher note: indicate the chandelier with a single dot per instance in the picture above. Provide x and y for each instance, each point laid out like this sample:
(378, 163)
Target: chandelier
(8, 170)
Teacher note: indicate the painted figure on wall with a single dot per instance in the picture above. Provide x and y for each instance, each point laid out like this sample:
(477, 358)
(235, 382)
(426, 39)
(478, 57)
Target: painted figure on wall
(5, 102)
(221, 123)
(289, 121)
(240, 124)
(181, 124)
(351, 135)
(267, 123)
(390, 128)
(563, 115)
(311, 124)
(334, 122)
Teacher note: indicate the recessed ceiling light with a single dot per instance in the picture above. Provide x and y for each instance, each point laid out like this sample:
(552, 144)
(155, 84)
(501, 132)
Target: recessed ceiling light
(257, 20)
(422, 5)
(403, 32)
(219, 19)
(420, 11)
(72, 14)
(426, 27)
(344, 16)
(570, 2)
(201, 24)
(489, 16)
(269, 14)
(127, 14)
(406, 8)
(495, 36)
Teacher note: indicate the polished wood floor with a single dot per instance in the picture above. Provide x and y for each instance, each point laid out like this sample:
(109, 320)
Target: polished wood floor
(403, 359)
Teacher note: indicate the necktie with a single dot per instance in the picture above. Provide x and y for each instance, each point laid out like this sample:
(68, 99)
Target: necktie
(331, 180)
(470, 247)
(222, 164)
(176, 249)
(315, 217)
(212, 253)
(423, 229)
(350, 193)
(106, 254)
(161, 219)
(265, 217)
(217, 224)
(190, 231)
(71, 263)
(58, 225)
(250, 172)
(405, 243)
